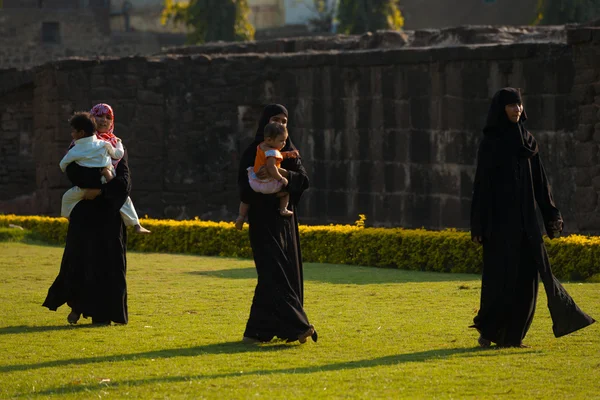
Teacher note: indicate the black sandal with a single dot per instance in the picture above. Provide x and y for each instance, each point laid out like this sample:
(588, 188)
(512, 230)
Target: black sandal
(73, 317)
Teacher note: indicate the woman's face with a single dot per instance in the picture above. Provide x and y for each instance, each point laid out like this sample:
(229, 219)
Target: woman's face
(280, 118)
(103, 122)
(514, 111)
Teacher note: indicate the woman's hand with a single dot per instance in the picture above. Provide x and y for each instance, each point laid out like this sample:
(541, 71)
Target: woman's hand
(91, 194)
(555, 228)
(107, 174)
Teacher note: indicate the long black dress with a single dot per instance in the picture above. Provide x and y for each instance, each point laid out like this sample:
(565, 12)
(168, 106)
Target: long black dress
(277, 307)
(92, 273)
(509, 181)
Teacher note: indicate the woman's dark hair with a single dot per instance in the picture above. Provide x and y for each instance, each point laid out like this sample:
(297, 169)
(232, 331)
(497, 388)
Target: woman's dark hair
(83, 121)
(274, 129)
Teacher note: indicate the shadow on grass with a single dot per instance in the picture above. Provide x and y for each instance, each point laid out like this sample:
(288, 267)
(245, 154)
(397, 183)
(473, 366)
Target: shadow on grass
(215, 348)
(350, 274)
(421, 356)
(9, 330)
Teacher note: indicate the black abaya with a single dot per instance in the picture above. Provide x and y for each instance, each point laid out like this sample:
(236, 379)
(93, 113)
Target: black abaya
(510, 184)
(277, 307)
(92, 273)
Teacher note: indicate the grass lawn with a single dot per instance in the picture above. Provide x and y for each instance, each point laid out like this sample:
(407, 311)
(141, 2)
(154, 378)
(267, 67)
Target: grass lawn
(383, 333)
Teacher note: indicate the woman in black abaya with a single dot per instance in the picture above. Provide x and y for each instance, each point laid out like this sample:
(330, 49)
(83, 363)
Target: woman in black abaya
(92, 273)
(510, 183)
(277, 308)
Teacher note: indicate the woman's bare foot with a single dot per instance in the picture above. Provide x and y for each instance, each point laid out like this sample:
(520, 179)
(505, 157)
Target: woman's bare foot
(239, 223)
(302, 338)
(140, 229)
(285, 212)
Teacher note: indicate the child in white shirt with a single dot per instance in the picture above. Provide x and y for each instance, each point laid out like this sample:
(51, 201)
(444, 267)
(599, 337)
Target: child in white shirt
(90, 151)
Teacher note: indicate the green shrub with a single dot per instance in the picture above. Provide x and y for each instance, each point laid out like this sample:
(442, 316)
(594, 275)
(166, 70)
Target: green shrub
(573, 257)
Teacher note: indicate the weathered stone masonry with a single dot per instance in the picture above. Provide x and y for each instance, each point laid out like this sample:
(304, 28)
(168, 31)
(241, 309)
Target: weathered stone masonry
(390, 133)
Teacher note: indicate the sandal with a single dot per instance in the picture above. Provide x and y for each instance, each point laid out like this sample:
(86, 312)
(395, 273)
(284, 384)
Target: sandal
(73, 317)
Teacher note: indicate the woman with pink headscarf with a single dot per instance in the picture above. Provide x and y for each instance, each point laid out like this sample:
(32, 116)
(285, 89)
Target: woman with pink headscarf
(105, 122)
(92, 277)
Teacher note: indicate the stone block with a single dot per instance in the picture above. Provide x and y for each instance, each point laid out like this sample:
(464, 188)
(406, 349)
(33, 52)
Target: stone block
(365, 170)
(395, 178)
(578, 36)
(583, 176)
(421, 147)
(586, 154)
(585, 76)
(588, 222)
(420, 112)
(453, 111)
(597, 132)
(587, 114)
(452, 215)
(149, 97)
(445, 180)
(423, 211)
(582, 93)
(584, 133)
(596, 182)
(10, 125)
(420, 180)
(337, 204)
(586, 199)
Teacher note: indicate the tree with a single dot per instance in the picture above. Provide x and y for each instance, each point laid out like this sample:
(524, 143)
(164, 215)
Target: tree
(211, 20)
(359, 16)
(558, 12)
(323, 14)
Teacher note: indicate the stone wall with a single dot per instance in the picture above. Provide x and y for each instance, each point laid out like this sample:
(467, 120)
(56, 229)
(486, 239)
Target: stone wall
(390, 133)
(17, 164)
(586, 95)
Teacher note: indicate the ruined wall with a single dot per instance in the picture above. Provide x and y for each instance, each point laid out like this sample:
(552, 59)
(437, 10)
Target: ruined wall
(390, 133)
(17, 165)
(586, 95)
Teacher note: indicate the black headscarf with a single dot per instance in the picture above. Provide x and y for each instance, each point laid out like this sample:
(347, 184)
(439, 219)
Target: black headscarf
(269, 112)
(506, 139)
(249, 154)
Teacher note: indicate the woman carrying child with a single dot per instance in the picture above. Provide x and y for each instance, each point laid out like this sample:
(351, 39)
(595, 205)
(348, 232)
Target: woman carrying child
(92, 272)
(277, 308)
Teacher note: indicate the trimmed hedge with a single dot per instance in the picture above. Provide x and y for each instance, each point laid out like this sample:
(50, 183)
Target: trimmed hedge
(573, 257)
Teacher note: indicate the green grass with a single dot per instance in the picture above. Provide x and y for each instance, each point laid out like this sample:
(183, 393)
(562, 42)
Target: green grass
(383, 333)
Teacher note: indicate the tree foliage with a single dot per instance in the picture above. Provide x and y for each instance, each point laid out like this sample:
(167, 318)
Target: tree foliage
(211, 20)
(359, 16)
(558, 12)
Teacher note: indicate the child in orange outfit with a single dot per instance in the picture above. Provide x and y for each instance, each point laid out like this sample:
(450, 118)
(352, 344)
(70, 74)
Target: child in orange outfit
(269, 155)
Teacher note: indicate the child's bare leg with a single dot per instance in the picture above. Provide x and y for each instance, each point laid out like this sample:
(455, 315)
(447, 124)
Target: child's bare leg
(283, 172)
(243, 212)
(283, 203)
(130, 217)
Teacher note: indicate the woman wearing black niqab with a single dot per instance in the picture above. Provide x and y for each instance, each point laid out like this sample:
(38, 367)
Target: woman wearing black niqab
(277, 308)
(510, 183)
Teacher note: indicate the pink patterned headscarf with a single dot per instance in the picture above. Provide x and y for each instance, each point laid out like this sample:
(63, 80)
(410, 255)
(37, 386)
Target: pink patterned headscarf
(104, 109)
